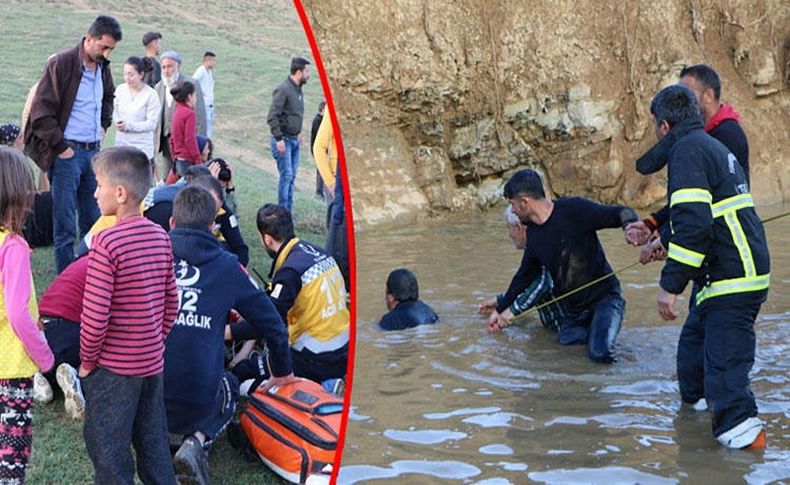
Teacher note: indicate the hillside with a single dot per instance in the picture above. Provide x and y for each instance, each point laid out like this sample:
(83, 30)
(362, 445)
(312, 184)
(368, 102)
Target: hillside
(440, 101)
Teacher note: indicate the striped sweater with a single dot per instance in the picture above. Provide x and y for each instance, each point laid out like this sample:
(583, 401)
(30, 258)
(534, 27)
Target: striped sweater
(131, 300)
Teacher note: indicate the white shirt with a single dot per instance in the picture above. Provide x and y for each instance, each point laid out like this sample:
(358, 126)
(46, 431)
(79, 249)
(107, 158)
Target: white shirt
(139, 113)
(206, 80)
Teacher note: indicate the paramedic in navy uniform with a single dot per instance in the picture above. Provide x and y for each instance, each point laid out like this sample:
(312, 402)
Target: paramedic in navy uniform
(200, 398)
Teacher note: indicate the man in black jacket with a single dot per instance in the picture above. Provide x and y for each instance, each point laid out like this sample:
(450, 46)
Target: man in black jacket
(721, 122)
(563, 238)
(403, 302)
(718, 241)
(285, 122)
(69, 115)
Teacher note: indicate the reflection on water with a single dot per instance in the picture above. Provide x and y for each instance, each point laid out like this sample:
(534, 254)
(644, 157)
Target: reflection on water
(449, 402)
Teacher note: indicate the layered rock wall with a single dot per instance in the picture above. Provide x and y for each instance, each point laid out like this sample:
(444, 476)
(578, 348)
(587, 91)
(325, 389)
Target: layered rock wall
(440, 101)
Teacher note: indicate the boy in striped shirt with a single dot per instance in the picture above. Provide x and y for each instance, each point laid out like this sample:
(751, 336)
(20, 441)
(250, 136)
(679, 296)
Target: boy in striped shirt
(130, 304)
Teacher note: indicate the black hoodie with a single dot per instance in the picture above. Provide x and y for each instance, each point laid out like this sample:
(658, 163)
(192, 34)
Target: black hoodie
(211, 282)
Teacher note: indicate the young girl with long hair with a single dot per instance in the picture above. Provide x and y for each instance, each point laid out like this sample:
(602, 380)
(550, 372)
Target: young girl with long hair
(23, 348)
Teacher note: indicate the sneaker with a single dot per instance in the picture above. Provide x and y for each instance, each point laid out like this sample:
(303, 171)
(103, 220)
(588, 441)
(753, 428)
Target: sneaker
(759, 443)
(701, 405)
(69, 382)
(248, 387)
(744, 435)
(191, 463)
(42, 390)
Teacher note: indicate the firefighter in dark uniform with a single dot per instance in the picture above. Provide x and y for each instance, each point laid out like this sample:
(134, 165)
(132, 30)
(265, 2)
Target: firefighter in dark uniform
(722, 123)
(307, 289)
(716, 240)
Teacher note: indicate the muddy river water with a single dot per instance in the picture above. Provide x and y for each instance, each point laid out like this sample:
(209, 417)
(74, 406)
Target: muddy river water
(450, 403)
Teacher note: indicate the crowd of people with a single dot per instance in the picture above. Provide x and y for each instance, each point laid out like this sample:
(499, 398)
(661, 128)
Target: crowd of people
(153, 328)
(708, 234)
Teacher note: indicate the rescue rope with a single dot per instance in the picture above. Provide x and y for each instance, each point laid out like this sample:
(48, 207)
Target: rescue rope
(602, 278)
(573, 292)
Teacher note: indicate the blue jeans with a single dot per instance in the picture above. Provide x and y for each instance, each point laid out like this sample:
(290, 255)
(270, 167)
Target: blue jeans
(73, 184)
(287, 164)
(121, 411)
(729, 347)
(598, 327)
(209, 120)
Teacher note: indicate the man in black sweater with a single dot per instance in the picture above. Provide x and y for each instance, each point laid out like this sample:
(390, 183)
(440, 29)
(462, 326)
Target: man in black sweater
(562, 237)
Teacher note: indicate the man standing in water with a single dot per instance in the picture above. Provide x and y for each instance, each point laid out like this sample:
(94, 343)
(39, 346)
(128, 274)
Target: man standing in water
(562, 237)
(539, 291)
(721, 122)
(717, 241)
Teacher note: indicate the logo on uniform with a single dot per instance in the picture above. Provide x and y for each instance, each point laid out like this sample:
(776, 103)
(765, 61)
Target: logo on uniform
(309, 249)
(186, 275)
(731, 162)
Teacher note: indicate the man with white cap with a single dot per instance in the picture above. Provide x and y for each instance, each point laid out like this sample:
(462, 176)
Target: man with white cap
(171, 75)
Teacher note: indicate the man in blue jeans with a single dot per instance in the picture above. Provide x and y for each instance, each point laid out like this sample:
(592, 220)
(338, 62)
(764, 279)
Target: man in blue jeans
(285, 122)
(563, 238)
(70, 113)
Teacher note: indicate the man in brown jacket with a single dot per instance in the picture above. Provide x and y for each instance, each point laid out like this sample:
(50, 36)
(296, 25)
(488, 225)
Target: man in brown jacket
(69, 116)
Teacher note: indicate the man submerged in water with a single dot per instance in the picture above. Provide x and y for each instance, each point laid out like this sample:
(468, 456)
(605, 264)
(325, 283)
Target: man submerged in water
(405, 308)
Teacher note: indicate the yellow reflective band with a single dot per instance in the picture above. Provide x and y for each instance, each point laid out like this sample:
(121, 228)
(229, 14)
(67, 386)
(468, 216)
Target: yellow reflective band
(735, 285)
(732, 204)
(685, 256)
(741, 243)
(685, 196)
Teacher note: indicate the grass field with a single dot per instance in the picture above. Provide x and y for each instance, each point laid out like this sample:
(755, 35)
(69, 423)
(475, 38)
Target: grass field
(253, 42)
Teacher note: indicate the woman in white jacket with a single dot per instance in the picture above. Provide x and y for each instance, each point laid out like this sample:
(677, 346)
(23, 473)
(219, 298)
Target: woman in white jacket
(137, 109)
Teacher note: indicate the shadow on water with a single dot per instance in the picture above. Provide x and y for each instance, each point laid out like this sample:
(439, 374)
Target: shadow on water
(449, 402)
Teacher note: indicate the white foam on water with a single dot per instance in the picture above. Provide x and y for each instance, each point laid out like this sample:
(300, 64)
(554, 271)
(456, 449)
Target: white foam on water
(573, 420)
(613, 475)
(454, 470)
(560, 452)
(424, 436)
(647, 440)
(513, 467)
(461, 412)
(489, 380)
(494, 481)
(354, 416)
(776, 468)
(497, 420)
(642, 388)
(496, 449)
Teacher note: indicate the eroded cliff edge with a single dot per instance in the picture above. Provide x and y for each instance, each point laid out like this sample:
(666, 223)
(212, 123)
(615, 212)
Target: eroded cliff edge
(439, 101)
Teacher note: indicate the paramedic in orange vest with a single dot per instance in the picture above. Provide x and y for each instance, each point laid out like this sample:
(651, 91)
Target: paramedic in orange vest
(307, 289)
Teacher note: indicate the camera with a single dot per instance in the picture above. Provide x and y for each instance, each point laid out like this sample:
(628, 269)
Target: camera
(224, 170)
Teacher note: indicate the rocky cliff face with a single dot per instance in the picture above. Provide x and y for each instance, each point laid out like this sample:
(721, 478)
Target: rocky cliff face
(440, 101)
